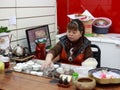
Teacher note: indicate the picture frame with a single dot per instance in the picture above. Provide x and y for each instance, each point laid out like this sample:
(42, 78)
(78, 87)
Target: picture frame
(37, 32)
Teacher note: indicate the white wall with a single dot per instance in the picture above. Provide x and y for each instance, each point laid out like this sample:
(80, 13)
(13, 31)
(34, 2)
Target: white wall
(28, 13)
(109, 54)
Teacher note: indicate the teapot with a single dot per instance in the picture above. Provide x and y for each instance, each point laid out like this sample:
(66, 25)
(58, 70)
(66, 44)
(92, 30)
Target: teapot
(20, 51)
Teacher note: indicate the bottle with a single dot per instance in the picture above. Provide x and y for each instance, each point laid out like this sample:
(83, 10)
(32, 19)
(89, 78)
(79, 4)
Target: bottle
(1, 67)
(5, 60)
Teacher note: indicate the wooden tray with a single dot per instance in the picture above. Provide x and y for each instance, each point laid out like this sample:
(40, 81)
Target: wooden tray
(21, 59)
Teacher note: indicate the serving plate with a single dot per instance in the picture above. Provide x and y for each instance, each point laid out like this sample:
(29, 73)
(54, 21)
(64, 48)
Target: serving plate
(105, 75)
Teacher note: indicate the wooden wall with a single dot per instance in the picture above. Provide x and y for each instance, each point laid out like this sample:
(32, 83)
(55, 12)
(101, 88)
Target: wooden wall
(28, 13)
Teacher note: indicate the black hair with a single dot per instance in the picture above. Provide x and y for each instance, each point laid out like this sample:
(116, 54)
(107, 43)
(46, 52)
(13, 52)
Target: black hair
(76, 24)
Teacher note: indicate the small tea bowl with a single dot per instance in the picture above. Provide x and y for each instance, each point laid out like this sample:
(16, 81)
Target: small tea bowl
(85, 83)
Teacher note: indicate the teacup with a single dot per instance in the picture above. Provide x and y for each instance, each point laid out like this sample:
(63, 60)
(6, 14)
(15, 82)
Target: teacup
(85, 83)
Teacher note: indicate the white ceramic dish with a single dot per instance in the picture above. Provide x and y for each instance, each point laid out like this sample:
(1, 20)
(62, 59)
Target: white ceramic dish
(109, 75)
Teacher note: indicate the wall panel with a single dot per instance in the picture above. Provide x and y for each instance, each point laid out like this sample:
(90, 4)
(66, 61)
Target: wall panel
(14, 35)
(52, 27)
(29, 13)
(32, 12)
(6, 23)
(4, 13)
(31, 22)
(7, 3)
(21, 34)
(33, 3)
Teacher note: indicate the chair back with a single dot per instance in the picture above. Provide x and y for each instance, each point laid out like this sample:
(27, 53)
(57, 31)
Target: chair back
(96, 53)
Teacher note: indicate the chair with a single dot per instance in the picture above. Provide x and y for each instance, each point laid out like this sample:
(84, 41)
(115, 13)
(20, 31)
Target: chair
(96, 53)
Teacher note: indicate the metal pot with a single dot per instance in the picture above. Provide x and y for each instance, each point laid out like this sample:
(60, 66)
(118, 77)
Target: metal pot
(20, 51)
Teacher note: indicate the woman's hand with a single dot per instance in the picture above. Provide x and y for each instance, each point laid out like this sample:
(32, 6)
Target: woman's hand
(48, 61)
(46, 64)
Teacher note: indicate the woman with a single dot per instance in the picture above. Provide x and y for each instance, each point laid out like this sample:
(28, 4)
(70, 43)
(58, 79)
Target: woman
(73, 48)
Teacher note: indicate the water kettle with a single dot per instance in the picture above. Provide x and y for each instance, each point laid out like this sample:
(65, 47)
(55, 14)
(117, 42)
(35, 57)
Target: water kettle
(20, 51)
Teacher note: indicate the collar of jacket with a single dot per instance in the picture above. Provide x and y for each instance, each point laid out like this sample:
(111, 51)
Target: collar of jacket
(81, 44)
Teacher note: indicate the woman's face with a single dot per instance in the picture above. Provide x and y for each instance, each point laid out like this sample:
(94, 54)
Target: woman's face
(73, 35)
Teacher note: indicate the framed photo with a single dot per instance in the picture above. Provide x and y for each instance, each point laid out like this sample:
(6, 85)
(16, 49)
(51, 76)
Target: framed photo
(37, 33)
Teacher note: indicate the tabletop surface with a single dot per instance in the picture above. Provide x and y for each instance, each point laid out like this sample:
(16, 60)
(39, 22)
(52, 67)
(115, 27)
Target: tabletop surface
(21, 81)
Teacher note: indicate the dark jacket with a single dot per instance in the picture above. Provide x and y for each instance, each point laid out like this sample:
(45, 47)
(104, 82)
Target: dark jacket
(80, 46)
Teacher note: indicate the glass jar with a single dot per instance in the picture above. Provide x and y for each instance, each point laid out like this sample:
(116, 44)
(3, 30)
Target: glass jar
(75, 76)
(6, 62)
(41, 50)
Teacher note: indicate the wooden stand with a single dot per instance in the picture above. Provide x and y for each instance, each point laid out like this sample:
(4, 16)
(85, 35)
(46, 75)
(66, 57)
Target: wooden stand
(22, 59)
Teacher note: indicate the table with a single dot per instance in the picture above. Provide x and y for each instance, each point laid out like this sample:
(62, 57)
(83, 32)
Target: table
(21, 81)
